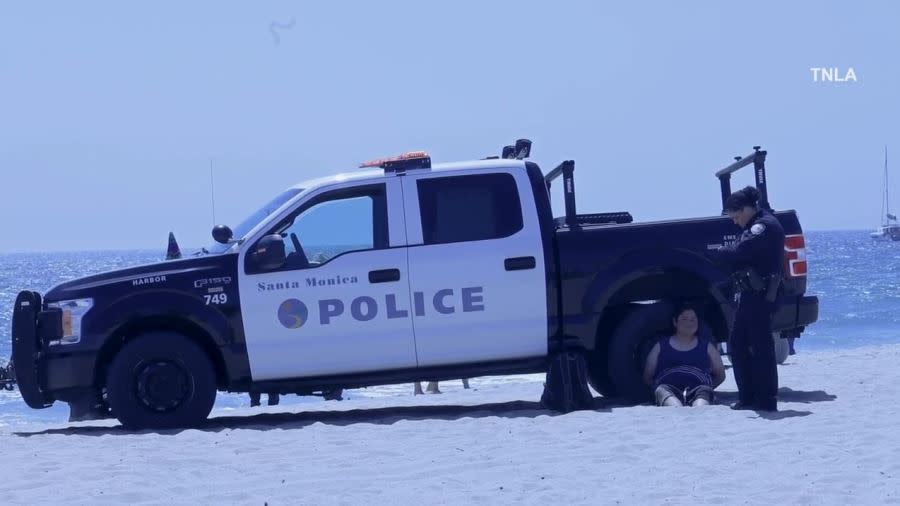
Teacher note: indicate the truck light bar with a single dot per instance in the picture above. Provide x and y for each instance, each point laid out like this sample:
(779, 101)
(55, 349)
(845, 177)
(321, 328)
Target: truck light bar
(401, 163)
(520, 151)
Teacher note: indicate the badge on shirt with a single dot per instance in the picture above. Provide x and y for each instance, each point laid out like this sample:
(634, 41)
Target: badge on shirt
(757, 229)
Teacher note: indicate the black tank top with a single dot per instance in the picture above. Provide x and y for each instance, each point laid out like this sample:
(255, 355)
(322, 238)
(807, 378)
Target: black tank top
(683, 369)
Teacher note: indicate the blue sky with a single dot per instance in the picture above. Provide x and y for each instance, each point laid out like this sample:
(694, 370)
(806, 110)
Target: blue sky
(111, 112)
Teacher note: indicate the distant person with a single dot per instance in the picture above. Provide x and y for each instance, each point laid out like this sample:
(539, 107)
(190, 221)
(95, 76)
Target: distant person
(7, 374)
(255, 395)
(336, 394)
(756, 261)
(432, 387)
(683, 369)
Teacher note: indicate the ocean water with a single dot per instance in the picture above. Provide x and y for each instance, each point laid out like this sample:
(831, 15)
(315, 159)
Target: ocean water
(857, 281)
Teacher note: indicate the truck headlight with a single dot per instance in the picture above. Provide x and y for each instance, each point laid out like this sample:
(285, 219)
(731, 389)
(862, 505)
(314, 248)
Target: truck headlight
(72, 313)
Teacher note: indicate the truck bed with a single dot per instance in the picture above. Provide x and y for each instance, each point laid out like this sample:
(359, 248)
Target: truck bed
(604, 266)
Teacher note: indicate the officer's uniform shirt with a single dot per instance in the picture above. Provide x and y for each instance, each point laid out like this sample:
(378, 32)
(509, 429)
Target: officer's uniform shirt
(760, 246)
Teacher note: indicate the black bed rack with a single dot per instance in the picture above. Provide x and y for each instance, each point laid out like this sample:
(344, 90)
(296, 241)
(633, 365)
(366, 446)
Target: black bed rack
(758, 159)
(522, 150)
(572, 219)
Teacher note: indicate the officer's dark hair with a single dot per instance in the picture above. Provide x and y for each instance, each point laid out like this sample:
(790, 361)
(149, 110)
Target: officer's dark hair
(748, 197)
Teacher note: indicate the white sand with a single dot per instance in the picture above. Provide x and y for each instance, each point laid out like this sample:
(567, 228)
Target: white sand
(834, 442)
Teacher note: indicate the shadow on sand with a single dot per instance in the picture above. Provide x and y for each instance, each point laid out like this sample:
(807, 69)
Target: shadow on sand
(391, 415)
(784, 395)
(781, 415)
(381, 416)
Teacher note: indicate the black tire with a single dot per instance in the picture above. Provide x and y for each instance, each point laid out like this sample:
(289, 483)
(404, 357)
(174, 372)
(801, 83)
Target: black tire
(161, 380)
(782, 348)
(598, 371)
(631, 342)
(629, 345)
(598, 358)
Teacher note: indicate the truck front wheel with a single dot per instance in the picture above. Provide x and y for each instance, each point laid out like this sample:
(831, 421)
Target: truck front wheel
(161, 380)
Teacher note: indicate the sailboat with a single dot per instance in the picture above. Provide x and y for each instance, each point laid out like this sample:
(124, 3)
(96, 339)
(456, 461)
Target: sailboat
(890, 228)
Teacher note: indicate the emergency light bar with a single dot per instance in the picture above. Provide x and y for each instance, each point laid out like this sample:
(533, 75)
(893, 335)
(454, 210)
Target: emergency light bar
(401, 163)
(520, 151)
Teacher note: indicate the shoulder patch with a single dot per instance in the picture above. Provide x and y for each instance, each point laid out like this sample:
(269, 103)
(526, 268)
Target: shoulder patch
(757, 229)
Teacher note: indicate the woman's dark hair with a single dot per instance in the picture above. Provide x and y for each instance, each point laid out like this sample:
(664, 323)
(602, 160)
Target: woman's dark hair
(742, 198)
(685, 306)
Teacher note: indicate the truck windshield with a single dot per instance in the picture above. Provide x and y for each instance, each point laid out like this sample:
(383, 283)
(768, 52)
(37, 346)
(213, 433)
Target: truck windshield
(254, 219)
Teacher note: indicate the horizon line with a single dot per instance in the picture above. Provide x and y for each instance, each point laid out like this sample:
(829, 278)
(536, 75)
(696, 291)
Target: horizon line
(192, 248)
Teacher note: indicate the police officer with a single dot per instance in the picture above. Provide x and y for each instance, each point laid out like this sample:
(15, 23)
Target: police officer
(756, 260)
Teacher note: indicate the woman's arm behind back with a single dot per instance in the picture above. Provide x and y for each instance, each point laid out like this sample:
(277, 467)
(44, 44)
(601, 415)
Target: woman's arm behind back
(718, 368)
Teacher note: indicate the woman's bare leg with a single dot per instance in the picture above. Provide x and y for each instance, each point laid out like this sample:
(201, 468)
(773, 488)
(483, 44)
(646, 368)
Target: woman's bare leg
(665, 397)
(700, 396)
(417, 388)
(432, 387)
(672, 402)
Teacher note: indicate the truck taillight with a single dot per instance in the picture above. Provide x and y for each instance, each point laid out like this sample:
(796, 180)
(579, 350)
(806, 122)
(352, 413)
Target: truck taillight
(795, 256)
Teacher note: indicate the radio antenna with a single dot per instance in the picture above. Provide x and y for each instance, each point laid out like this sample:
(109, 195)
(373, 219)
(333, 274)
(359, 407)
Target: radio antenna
(212, 191)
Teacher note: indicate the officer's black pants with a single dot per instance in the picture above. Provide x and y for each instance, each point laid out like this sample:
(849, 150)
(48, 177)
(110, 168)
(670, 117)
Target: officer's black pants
(752, 352)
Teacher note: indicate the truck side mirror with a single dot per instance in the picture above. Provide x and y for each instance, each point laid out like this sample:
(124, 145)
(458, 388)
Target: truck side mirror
(222, 234)
(269, 253)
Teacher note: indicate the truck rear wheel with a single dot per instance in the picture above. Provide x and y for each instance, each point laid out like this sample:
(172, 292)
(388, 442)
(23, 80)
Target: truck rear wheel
(629, 345)
(161, 380)
(631, 342)
(598, 371)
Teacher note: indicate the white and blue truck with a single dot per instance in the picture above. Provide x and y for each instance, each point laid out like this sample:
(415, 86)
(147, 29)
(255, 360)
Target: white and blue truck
(432, 272)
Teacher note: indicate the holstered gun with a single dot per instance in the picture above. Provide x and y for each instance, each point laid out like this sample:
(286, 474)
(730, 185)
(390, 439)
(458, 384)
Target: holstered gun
(748, 280)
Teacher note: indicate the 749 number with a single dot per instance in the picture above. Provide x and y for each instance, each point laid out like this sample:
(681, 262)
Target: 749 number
(218, 298)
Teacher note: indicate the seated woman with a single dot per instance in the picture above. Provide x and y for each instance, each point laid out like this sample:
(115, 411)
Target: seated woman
(684, 369)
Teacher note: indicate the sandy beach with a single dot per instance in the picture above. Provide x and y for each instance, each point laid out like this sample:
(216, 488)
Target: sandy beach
(834, 441)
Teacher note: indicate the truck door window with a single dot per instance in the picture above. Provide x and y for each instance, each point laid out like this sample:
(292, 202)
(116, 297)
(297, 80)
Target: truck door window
(334, 223)
(469, 208)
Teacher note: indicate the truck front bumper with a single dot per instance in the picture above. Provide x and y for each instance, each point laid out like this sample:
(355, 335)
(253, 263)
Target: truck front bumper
(45, 374)
(795, 313)
(26, 348)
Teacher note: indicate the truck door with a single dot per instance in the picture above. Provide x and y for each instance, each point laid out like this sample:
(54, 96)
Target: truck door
(340, 303)
(476, 267)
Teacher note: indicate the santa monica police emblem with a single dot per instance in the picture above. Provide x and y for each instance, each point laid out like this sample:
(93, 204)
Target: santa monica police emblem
(292, 314)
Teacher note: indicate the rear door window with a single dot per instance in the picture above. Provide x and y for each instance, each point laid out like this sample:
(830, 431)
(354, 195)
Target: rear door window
(469, 208)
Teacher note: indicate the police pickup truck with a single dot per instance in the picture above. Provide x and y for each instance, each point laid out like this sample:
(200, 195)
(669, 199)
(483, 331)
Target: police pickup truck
(405, 271)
